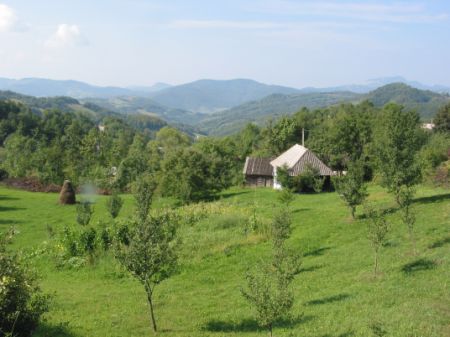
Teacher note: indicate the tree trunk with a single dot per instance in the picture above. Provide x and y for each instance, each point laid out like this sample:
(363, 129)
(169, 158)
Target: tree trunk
(149, 298)
(353, 210)
(376, 263)
(270, 330)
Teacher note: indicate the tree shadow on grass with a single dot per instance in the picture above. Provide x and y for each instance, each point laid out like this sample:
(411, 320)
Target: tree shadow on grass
(317, 252)
(251, 325)
(9, 222)
(440, 243)
(7, 208)
(5, 197)
(232, 194)
(330, 299)
(432, 199)
(345, 334)
(48, 330)
(309, 269)
(298, 210)
(419, 265)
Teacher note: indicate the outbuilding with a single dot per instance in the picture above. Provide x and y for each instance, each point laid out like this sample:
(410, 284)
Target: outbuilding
(263, 171)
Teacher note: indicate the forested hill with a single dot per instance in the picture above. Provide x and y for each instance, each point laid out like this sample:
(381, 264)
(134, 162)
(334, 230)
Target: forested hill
(147, 106)
(206, 96)
(273, 106)
(63, 103)
(425, 102)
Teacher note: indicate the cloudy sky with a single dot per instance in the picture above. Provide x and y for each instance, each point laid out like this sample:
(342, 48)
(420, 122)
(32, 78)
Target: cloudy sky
(288, 42)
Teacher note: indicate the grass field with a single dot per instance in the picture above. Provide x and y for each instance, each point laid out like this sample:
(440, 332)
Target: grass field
(336, 293)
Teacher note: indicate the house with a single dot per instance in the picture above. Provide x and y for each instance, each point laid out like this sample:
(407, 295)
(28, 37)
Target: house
(263, 171)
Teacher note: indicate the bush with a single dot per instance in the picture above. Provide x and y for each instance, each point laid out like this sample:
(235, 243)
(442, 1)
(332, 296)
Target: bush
(21, 300)
(309, 181)
(84, 213)
(114, 204)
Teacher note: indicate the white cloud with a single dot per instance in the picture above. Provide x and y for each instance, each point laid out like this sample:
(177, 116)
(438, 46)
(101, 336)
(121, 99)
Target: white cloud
(66, 36)
(9, 22)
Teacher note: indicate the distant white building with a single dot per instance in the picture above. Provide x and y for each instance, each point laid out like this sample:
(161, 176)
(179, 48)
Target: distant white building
(428, 126)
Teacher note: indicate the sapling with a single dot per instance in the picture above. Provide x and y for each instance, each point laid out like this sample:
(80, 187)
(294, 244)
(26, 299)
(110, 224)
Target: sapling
(405, 199)
(114, 204)
(378, 229)
(351, 187)
(84, 213)
(268, 285)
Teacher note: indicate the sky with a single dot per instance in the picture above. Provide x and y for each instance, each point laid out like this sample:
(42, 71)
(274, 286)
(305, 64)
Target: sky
(286, 42)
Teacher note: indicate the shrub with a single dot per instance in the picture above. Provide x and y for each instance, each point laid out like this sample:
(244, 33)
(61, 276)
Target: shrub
(114, 205)
(21, 300)
(309, 181)
(84, 213)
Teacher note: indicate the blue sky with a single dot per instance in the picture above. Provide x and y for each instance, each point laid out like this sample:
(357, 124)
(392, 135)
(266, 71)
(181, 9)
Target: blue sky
(295, 43)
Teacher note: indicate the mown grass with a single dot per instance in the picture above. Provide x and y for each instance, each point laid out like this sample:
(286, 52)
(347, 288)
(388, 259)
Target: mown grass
(336, 293)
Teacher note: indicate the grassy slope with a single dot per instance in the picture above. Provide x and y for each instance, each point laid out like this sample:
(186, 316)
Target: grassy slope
(335, 293)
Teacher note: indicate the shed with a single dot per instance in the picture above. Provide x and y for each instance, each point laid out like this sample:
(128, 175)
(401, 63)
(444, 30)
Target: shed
(258, 172)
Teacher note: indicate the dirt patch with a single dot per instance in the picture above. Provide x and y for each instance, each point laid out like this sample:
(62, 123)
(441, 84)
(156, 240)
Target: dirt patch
(31, 184)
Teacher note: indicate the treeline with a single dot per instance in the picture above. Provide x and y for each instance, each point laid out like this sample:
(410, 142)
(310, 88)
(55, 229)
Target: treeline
(112, 154)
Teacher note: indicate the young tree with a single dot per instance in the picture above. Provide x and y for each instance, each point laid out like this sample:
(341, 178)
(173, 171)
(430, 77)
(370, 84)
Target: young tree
(408, 217)
(143, 195)
(114, 204)
(286, 196)
(284, 178)
(351, 187)
(442, 119)
(397, 142)
(377, 231)
(151, 254)
(84, 212)
(268, 285)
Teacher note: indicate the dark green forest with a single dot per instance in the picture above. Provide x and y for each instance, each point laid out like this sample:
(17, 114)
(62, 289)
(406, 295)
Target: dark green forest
(111, 151)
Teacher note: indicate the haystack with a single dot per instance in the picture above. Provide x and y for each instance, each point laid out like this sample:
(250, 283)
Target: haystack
(67, 194)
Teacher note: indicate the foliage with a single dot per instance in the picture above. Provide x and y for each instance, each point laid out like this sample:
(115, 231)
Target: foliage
(442, 119)
(398, 140)
(284, 178)
(351, 187)
(268, 285)
(21, 301)
(143, 195)
(408, 217)
(151, 254)
(309, 180)
(114, 204)
(286, 196)
(190, 175)
(84, 212)
(377, 231)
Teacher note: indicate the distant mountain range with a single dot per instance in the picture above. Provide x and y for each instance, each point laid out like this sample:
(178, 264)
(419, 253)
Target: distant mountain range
(220, 107)
(425, 102)
(276, 105)
(207, 96)
(41, 87)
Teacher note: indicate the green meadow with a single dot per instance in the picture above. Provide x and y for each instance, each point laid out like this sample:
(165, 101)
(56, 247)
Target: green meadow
(336, 293)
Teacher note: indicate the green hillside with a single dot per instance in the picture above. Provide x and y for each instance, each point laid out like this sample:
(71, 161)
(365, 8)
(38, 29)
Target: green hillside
(335, 292)
(425, 102)
(273, 106)
(147, 106)
(207, 96)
